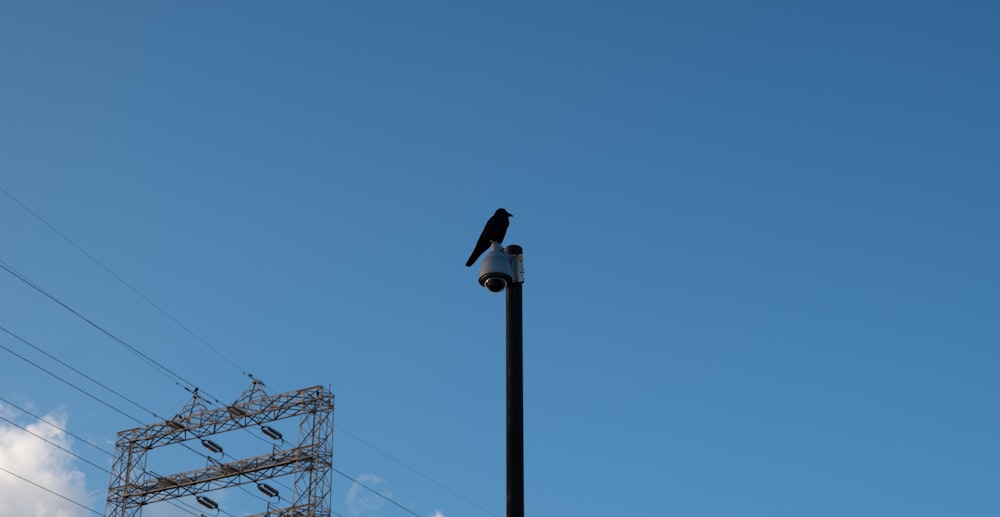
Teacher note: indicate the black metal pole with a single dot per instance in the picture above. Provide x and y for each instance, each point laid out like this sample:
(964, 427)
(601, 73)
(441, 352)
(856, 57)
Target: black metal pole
(515, 397)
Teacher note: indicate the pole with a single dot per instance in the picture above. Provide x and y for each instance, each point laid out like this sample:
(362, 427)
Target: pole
(515, 394)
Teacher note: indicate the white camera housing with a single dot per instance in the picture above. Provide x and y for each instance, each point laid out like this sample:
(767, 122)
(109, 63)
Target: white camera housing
(495, 271)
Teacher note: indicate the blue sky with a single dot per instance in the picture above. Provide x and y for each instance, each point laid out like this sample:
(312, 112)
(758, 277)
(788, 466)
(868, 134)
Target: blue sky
(759, 239)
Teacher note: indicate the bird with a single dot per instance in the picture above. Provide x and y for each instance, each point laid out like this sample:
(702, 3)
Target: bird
(496, 228)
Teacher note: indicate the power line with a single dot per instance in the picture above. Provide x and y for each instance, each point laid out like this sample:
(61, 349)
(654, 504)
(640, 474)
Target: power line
(411, 469)
(60, 361)
(149, 360)
(185, 445)
(50, 442)
(85, 392)
(164, 369)
(81, 390)
(15, 424)
(70, 384)
(40, 419)
(376, 492)
(134, 290)
(52, 492)
(122, 280)
(4, 329)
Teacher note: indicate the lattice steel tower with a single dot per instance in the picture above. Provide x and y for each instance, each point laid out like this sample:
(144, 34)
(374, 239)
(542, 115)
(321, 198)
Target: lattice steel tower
(309, 462)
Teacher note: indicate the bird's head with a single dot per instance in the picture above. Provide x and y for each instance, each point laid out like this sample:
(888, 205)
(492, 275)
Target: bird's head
(501, 211)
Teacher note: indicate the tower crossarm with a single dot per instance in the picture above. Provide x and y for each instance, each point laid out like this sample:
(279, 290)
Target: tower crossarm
(219, 420)
(222, 475)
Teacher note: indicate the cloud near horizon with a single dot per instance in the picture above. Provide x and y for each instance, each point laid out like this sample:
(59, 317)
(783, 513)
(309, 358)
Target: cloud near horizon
(31, 458)
(360, 501)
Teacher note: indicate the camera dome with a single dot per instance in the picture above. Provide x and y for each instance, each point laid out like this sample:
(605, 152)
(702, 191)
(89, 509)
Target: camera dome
(494, 283)
(495, 272)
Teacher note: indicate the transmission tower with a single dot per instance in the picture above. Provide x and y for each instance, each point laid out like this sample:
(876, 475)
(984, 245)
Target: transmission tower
(309, 462)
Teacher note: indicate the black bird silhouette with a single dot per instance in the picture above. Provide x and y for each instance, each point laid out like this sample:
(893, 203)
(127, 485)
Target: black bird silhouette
(494, 231)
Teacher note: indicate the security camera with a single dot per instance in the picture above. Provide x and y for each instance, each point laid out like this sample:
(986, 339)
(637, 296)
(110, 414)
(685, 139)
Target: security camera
(495, 272)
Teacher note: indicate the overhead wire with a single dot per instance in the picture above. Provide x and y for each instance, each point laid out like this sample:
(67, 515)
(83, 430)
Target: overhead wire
(376, 492)
(170, 374)
(25, 341)
(415, 471)
(163, 369)
(85, 392)
(53, 492)
(88, 377)
(50, 424)
(72, 454)
(107, 404)
(88, 461)
(81, 390)
(54, 444)
(132, 288)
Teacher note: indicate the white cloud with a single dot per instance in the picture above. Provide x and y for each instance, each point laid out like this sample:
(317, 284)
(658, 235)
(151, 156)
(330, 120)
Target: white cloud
(360, 501)
(33, 459)
(437, 513)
